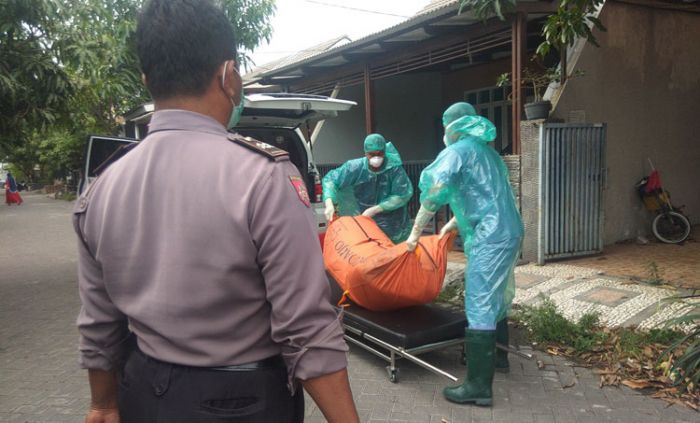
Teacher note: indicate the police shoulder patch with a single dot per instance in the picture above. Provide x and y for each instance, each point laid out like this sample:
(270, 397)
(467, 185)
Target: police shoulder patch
(263, 148)
(300, 188)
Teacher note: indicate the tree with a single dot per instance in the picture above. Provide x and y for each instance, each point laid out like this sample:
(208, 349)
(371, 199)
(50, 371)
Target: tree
(572, 19)
(34, 87)
(251, 22)
(69, 68)
(95, 41)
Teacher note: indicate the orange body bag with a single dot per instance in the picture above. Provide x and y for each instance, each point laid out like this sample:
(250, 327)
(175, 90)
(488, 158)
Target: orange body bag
(376, 273)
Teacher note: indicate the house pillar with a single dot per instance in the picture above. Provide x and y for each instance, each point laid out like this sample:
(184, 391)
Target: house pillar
(369, 102)
(518, 49)
(530, 188)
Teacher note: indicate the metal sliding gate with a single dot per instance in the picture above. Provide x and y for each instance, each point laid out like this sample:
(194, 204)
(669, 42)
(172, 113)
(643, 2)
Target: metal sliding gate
(572, 179)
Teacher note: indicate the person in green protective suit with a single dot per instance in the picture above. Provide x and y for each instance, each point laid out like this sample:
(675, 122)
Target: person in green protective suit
(375, 185)
(471, 177)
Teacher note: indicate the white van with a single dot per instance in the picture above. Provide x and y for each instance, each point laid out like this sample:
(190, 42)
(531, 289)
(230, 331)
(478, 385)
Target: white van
(276, 119)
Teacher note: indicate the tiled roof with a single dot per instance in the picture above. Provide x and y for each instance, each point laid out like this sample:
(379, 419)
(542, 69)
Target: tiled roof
(436, 8)
(297, 57)
(437, 4)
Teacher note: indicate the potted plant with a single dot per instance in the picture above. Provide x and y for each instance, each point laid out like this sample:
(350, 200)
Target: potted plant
(572, 19)
(537, 79)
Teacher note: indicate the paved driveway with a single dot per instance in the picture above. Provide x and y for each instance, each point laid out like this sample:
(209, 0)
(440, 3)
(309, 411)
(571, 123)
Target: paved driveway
(41, 382)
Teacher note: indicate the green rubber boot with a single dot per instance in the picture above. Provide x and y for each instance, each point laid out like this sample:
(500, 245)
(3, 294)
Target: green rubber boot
(502, 364)
(476, 387)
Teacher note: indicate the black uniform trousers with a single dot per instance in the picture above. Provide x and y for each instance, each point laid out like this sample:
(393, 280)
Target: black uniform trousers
(153, 391)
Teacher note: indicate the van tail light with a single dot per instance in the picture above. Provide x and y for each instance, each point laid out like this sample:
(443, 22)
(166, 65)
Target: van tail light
(318, 188)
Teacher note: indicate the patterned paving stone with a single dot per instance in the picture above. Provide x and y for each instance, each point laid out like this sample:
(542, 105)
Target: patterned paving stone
(610, 297)
(619, 302)
(525, 280)
(677, 264)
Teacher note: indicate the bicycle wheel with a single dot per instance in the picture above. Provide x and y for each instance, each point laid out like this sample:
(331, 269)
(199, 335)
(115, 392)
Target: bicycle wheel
(671, 227)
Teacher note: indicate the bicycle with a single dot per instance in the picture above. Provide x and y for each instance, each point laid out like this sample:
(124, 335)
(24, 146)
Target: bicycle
(670, 225)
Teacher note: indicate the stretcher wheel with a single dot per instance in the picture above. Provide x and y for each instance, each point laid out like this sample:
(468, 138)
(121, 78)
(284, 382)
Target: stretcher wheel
(393, 374)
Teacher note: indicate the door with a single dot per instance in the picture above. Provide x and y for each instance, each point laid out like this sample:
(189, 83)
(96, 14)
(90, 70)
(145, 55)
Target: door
(572, 179)
(100, 152)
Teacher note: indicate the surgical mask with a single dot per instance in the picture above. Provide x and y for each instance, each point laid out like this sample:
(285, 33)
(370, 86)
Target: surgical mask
(444, 140)
(237, 110)
(376, 161)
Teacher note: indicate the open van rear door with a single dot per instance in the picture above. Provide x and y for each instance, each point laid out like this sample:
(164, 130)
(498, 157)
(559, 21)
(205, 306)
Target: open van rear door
(289, 110)
(100, 152)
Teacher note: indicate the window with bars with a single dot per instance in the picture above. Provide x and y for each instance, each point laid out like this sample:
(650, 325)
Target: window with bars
(493, 103)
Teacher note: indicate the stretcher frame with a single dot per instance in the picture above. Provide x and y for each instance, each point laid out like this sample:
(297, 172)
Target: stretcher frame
(410, 354)
(396, 352)
(384, 349)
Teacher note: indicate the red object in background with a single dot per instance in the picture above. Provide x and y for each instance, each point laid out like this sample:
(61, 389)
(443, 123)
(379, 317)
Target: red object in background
(318, 192)
(318, 189)
(654, 182)
(322, 237)
(13, 198)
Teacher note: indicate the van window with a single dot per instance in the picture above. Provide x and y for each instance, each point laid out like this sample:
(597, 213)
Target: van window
(100, 150)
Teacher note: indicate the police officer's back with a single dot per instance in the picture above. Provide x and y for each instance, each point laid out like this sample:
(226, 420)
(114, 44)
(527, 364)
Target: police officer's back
(219, 279)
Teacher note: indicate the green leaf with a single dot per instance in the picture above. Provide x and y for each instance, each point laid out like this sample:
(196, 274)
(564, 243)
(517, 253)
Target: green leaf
(497, 10)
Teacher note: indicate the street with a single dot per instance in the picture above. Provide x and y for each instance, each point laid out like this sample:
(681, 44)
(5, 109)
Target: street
(40, 380)
(39, 375)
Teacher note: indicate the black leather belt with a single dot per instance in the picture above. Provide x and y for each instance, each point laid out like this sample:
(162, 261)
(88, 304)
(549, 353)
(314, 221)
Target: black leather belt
(273, 362)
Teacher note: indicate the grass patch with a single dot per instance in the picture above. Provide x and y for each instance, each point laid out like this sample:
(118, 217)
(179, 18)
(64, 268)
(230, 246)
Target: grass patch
(662, 360)
(632, 342)
(546, 324)
(69, 196)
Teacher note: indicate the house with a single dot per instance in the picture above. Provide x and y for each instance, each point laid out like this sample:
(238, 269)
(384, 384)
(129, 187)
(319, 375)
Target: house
(636, 101)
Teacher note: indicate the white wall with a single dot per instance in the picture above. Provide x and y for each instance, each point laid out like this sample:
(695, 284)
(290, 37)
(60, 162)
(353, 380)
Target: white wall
(407, 111)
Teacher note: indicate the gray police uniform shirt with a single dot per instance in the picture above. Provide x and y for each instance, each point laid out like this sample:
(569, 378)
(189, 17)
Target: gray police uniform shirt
(206, 250)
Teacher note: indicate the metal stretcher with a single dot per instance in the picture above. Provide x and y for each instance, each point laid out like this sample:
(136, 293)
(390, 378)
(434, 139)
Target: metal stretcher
(405, 333)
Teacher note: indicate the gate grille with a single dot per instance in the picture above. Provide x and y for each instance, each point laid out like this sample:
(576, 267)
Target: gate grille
(572, 173)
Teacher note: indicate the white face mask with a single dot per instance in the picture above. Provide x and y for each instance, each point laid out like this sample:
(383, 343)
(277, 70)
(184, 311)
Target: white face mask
(376, 161)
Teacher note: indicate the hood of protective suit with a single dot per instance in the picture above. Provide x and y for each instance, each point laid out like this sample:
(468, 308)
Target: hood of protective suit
(392, 159)
(457, 111)
(374, 142)
(476, 127)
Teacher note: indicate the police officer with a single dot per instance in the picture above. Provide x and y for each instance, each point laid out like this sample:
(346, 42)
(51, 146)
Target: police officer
(224, 295)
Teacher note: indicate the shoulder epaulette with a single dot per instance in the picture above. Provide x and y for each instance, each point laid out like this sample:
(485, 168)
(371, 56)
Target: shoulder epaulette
(263, 148)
